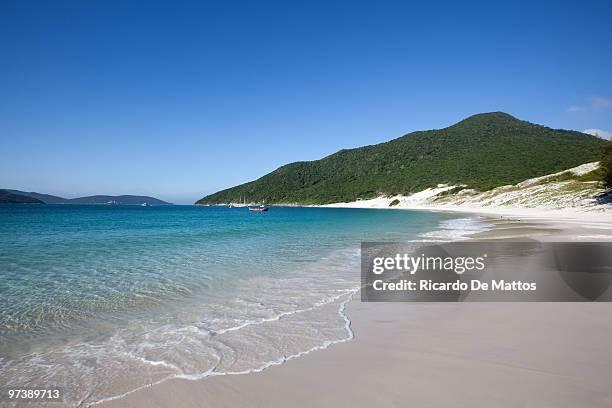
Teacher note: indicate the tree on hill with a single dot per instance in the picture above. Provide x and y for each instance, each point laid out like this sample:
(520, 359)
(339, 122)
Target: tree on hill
(606, 163)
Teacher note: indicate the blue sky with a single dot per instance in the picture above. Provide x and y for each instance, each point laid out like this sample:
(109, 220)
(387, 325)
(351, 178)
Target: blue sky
(180, 99)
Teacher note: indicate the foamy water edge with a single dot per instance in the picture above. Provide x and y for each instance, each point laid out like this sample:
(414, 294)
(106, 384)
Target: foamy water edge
(210, 373)
(454, 229)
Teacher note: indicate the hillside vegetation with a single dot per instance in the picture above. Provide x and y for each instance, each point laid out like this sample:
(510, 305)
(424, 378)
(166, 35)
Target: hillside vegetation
(482, 152)
(606, 164)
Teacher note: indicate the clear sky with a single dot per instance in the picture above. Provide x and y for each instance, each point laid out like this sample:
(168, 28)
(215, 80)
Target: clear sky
(179, 99)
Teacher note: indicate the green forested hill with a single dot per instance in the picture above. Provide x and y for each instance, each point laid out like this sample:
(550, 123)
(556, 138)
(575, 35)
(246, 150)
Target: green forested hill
(482, 151)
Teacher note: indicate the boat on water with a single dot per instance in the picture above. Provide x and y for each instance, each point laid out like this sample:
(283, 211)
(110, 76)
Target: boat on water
(241, 203)
(145, 205)
(260, 208)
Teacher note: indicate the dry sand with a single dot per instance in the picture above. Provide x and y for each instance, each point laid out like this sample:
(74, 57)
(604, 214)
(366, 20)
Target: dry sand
(435, 355)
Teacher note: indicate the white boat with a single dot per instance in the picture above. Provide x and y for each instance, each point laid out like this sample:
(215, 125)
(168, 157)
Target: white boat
(241, 204)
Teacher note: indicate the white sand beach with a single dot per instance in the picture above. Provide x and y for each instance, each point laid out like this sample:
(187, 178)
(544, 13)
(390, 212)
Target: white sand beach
(436, 354)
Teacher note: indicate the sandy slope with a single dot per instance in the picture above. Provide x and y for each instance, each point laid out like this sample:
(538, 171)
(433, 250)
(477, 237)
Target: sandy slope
(540, 197)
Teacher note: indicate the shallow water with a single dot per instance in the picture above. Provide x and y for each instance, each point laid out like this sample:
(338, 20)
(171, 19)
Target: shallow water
(101, 300)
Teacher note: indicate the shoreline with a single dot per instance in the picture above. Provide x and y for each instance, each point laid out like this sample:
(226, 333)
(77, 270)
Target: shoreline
(535, 213)
(126, 363)
(328, 376)
(456, 234)
(201, 377)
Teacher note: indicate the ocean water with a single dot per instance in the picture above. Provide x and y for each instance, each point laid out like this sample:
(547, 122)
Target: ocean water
(103, 300)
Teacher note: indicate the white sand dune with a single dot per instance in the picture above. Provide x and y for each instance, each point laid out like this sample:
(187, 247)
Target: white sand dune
(541, 197)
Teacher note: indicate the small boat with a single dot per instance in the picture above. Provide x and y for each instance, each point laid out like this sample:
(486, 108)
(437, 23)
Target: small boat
(261, 208)
(241, 203)
(145, 205)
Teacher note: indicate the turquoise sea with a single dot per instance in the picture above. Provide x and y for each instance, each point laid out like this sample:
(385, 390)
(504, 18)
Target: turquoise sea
(102, 300)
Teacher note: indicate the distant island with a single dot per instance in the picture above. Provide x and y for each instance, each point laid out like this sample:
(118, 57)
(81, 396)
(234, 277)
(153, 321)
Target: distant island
(23, 197)
(482, 152)
(7, 197)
